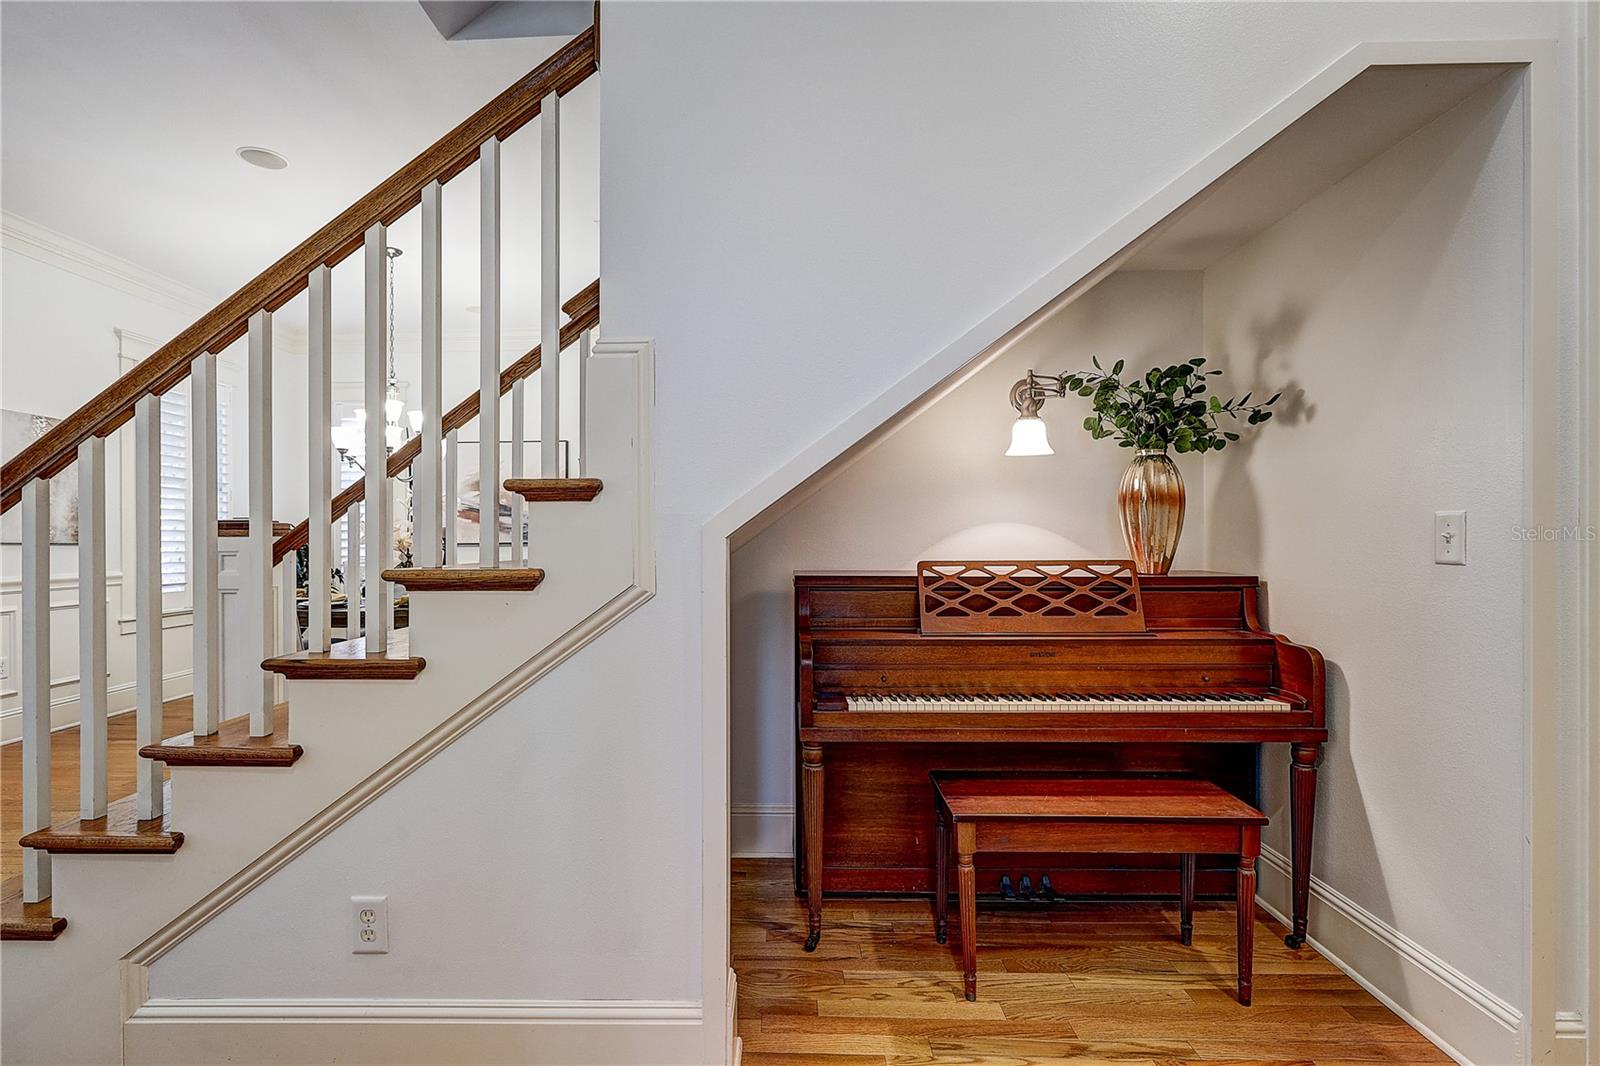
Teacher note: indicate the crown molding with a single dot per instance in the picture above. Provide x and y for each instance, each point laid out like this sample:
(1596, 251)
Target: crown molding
(45, 245)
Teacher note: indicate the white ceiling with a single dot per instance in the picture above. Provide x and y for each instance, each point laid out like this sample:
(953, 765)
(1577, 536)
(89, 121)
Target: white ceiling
(120, 122)
(1377, 110)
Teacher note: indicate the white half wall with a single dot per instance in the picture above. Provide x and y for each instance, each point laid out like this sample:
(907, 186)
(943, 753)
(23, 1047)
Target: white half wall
(939, 487)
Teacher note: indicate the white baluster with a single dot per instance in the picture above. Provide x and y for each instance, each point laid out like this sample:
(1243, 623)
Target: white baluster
(92, 628)
(147, 654)
(518, 439)
(584, 341)
(489, 355)
(379, 534)
(256, 567)
(452, 501)
(35, 683)
(320, 480)
(550, 287)
(288, 605)
(426, 493)
(205, 589)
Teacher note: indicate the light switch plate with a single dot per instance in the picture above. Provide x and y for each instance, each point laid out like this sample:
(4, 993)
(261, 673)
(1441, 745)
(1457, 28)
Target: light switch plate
(1450, 538)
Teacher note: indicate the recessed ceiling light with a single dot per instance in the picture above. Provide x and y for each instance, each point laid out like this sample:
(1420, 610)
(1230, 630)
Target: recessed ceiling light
(265, 158)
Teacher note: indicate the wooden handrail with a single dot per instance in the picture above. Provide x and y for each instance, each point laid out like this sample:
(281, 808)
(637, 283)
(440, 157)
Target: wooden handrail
(282, 281)
(584, 313)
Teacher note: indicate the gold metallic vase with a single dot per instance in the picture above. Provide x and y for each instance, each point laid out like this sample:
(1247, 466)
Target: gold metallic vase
(1150, 502)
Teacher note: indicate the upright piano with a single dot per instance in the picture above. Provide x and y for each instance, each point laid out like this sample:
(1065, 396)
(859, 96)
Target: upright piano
(1075, 666)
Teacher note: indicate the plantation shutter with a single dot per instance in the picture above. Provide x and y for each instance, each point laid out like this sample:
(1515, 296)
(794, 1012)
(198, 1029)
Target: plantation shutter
(174, 490)
(175, 482)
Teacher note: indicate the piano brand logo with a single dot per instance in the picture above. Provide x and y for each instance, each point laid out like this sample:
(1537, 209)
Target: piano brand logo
(1547, 534)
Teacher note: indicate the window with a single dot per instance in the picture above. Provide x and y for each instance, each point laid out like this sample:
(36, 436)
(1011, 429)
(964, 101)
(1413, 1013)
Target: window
(175, 482)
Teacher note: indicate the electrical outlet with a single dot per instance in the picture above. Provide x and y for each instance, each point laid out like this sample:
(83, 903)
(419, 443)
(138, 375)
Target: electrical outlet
(1450, 538)
(369, 919)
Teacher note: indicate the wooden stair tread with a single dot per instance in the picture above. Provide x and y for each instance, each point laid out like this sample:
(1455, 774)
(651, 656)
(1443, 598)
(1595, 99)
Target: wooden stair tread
(231, 745)
(118, 832)
(465, 579)
(348, 660)
(26, 921)
(554, 489)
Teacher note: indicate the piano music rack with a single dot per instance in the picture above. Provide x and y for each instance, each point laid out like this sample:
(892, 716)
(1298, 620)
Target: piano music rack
(1016, 597)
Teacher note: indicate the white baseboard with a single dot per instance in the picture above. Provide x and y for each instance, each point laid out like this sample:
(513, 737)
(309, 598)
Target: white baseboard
(315, 1031)
(120, 698)
(1467, 1021)
(761, 830)
(1572, 1039)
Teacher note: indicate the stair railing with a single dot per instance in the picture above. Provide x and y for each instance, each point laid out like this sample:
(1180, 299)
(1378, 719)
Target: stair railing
(135, 396)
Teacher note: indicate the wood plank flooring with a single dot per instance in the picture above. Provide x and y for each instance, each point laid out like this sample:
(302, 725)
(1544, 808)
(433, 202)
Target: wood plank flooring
(121, 761)
(1081, 984)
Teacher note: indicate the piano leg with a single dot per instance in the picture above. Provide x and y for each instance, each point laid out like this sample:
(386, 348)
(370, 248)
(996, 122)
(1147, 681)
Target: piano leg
(1186, 898)
(811, 794)
(1302, 817)
(941, 878)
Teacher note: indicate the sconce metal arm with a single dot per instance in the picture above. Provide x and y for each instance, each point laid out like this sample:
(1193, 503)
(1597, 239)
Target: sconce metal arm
(1030, 392)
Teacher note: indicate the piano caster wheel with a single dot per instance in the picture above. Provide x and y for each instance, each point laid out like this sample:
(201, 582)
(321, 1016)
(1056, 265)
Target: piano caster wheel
(812, 938)
(1294, 942)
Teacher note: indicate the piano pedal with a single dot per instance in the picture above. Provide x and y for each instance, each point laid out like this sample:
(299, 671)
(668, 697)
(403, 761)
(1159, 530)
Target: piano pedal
(1027, 888)
(1046, 890)
(1006, 892)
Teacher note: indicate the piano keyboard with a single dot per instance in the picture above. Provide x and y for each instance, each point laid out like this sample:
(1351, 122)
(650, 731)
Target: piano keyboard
(1076, 703)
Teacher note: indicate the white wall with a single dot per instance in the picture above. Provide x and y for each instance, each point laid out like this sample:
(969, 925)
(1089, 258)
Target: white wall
(802, 203)
(61, 305)
(1392, 314)
(940, 488)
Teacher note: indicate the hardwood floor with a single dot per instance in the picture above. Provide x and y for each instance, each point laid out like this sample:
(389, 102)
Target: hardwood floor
(1084, 983)
(121, 760)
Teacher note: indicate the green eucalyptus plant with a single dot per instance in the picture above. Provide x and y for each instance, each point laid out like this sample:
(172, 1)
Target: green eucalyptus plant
(1166, 408)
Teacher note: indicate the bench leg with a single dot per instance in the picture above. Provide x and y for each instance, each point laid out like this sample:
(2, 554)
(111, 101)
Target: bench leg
(967, 887)
(1186, 898)
(1245, 902)
(941, 878)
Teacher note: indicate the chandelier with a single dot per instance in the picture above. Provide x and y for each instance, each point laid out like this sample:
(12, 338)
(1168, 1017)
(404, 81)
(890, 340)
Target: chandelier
(349, 436)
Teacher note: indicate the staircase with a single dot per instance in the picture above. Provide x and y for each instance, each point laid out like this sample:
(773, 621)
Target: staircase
(329, 724)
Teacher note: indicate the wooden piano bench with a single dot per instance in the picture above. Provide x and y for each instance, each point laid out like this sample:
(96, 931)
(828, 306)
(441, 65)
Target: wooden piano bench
(1051, 813)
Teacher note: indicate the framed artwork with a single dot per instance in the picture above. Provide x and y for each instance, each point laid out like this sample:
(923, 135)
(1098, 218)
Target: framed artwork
(469, 492)
(18, 430)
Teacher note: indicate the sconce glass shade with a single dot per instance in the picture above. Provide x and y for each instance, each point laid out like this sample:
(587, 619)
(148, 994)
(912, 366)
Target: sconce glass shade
(346, 438)
(1028, 437)
(392, 408)
(415, 418)
(393, 436)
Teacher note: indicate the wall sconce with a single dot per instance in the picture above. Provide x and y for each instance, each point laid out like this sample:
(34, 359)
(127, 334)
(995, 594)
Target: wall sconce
(1028, 436)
